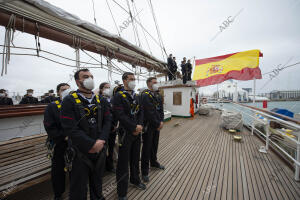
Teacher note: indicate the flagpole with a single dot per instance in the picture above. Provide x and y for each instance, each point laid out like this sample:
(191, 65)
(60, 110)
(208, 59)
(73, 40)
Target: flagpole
(194, 62)
(254, 88)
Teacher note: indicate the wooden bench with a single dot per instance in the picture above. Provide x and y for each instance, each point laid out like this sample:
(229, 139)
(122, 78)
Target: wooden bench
(23, 163)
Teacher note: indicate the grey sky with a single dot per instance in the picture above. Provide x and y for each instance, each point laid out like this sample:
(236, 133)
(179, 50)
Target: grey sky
(187, 28)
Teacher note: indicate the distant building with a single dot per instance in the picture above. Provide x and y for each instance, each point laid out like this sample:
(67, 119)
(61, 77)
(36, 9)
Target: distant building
(285, 95)
(230, 91)
(249, 90)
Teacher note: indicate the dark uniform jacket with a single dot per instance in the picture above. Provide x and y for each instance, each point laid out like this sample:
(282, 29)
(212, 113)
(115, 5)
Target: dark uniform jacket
(6, 101)
(170, 63)
(188, 67)
(52, 122)
(114, 121)
(29, 100)
(161, 106)
(152, 109)
(174, 68)
(84, 130)
(183, 69)
(124, 110)
(49, 99)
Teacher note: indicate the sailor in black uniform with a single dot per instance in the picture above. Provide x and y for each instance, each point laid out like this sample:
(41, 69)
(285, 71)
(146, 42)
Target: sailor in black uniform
(170, 67)
(86, 119)
(28, 98)
(56, 142)
(127, 110)
(4, 100)
(184, 71)
(153, 159)
(50, 97)
(174, 68)
(106, 91)
(152, 122)
(189, 70)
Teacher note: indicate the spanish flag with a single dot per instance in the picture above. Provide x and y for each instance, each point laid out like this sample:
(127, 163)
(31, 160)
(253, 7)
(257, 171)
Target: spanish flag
(239, 66)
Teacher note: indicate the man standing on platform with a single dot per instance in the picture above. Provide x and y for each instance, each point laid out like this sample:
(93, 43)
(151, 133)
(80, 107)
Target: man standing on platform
(189, 70)
(170, 67)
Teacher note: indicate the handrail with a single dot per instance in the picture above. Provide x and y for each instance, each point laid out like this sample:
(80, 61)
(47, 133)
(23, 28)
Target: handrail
(20, 111)
(270, 113)
(283, 119)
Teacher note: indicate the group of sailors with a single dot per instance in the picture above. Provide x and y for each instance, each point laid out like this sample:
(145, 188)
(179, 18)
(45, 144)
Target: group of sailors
(186, 69)
(28, 98)
(82, 128)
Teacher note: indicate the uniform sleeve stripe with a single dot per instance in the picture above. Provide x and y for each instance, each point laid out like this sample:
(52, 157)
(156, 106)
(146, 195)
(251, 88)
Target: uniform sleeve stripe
(65, 117)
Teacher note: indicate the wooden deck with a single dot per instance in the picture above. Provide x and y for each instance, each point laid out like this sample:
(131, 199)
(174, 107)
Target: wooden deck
(204, 162)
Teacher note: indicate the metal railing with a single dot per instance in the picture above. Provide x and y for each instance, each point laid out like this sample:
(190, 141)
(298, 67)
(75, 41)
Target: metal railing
(264, 119)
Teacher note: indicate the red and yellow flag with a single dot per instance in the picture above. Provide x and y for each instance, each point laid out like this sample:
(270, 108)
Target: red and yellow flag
(240, 66)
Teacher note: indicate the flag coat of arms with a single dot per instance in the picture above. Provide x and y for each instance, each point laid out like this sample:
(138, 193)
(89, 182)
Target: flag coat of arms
(239, 66)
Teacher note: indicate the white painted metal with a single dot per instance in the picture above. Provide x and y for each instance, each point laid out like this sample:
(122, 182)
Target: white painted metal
(182, 110)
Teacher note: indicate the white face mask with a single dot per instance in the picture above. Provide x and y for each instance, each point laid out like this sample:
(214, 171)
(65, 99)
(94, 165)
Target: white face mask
(30, 94)
(2, 95)
(65, 93)
(131, 85)
(89, 83)
(155, 87)
(106, 92)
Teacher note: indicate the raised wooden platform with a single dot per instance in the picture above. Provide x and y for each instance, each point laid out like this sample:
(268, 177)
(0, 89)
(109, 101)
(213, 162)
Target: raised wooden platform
(203, 162)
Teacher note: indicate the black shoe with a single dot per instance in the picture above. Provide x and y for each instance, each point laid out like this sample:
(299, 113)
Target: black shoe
(145, 178)
(122, 198)
(112, 170)
(159, 166)
(140, 186)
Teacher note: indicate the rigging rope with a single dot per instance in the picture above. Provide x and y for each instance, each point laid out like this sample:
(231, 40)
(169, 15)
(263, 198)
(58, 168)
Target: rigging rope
(136, 36)
(113, 18)
(95, 20)
(157, 28)
(139, 19)
(139, 24)
(9, 32)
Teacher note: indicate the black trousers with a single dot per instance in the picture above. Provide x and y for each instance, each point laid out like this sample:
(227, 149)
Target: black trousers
(184, 78)
(57, 169)
(174, 75)
(154, 148)
(129, 152)
(146, 151)
(189, 76)
(81, 176)
(111, 145)
(170, 75)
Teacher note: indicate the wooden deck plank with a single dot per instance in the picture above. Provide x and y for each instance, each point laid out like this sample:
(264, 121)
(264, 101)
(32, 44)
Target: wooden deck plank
(221, 178)
(173, 172)
(179, 190)
(208, 187)
(189, 182)
(265, 170)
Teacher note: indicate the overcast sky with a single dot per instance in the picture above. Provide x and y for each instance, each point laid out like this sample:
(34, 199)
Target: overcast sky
(187, 28)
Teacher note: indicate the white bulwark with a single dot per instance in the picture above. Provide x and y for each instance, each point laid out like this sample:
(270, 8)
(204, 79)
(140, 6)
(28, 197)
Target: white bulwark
(177, 98)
